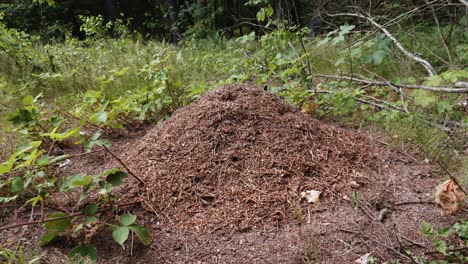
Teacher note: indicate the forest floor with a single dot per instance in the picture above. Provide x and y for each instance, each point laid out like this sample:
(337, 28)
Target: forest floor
(223, 182)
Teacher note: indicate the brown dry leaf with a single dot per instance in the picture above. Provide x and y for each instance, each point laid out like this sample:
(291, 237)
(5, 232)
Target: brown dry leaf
(449, 197)
(311, 196)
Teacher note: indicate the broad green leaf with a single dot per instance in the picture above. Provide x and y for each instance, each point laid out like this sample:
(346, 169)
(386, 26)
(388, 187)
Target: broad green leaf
(461, 229)
(90, 209)
(100, 117)
(45, 239)
(4, 168)
(84, 192)
(142, 234)
(43, 160)
(88, 251)
(425, 229)
(96, 135)
(74, 132)
(443, 231)
(103, 142)
(75, 181)
(116, 178)
(120, 234)
(90, 219)
(16, 185)
(439, 245)
(424, 98)
(59, 225)
(261, 15)
(345, 29)
(29, 100)
(127, 219)
(376, 57)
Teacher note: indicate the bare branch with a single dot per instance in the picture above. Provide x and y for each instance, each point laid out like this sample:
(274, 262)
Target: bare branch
(407, 86)
(464, 2)
(441, 35)
(414, 57)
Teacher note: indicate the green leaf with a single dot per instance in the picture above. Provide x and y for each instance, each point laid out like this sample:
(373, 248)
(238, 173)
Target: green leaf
(35, 200)
(461, 229)
(142, 234)
(98, 117)
(345, 29)
(440, 245)
(127, 219)
(43, 160)
(116, 178)
(29, 100)
(103, 142)
(120, 234)
(377, 57)
(57, 226)
(425, 229)
(45, 239)
(424, 98)
(74, 182)
(443, 231)
(90, 219)
(261, 15)
(16, 185)
(88, 251)
(84, 192)
(90, 209)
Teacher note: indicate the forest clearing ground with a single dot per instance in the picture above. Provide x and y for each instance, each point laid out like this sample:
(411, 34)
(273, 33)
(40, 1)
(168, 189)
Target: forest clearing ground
(223, 182)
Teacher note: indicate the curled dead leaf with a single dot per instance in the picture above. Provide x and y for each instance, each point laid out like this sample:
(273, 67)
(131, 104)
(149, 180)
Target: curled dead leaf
(449, 197)
(364, 259)
(311, 196)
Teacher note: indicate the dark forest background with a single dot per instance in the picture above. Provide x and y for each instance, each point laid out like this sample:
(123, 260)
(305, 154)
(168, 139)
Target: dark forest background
(173, 19)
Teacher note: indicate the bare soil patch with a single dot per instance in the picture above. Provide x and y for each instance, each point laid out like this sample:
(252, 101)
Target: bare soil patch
(223, 182)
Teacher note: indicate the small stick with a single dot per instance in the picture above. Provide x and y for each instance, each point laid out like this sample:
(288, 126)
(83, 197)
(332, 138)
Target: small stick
(123, 164)
(448, 250)
(413, 202)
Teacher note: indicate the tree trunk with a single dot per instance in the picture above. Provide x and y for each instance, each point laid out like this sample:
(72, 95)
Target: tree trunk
(173, 11)
(317, 24)
(279, 10)
(110, 6)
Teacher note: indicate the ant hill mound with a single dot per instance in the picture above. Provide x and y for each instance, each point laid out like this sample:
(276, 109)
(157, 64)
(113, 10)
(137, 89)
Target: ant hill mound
(238, 159)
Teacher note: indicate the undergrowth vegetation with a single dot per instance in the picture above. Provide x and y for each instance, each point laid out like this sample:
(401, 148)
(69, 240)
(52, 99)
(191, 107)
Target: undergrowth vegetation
(77, 92)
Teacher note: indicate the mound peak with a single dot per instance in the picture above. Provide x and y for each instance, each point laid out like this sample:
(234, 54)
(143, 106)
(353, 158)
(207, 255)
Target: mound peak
(237, 159)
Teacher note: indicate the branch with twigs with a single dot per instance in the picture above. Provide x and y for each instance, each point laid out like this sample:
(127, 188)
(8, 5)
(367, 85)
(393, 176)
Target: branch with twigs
(414, 57)
(405, 86)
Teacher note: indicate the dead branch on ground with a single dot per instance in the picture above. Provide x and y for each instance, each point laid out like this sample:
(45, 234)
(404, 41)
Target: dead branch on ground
(406, 86)
(414, 57)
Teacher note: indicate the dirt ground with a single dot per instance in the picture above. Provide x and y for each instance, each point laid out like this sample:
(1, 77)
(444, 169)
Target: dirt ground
(223, 183)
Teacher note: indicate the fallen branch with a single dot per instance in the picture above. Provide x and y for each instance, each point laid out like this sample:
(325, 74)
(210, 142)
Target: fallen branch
(424, 62)
(448, 250)
(407, 86)
(377, 105)
(413, 202)
(464, 2)
(123, 164)
(41, 221)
